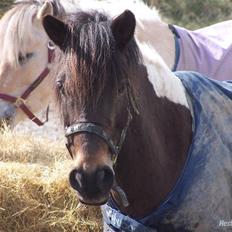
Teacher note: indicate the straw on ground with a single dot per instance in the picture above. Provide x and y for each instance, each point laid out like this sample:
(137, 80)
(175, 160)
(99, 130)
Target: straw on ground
(35, 195)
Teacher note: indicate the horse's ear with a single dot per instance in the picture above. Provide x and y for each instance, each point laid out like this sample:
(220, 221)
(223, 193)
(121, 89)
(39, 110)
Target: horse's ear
(57, 31)
(46, 9)
(123, 28)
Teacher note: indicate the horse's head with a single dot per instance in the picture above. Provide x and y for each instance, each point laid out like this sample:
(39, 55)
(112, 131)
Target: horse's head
(23, 56)
(94, 94)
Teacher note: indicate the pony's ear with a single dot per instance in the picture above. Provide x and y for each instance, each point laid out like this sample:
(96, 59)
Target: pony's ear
(46, 9)
(123, 28)
(57, 31)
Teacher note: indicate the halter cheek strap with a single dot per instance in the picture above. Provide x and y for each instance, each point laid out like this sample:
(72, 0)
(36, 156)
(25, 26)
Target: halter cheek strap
(20, 102)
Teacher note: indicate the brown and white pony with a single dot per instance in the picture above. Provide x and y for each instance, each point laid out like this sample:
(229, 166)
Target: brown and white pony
(129, 126)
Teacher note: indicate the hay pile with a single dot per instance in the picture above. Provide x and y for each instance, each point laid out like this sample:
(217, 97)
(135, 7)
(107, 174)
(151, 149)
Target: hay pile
(35, 195)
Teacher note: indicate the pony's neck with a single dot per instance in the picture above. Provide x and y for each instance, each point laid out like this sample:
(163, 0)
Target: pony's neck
(157, 141)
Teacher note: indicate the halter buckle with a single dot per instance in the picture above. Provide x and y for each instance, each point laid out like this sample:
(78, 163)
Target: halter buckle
(19, 101)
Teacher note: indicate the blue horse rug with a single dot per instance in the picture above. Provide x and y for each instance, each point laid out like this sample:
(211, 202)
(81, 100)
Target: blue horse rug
(201, 200)
(207, 50)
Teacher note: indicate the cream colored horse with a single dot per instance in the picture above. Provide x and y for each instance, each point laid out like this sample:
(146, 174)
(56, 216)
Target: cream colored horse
(24, 55)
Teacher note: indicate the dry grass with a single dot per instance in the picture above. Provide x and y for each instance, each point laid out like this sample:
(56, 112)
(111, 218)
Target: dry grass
(34, 192)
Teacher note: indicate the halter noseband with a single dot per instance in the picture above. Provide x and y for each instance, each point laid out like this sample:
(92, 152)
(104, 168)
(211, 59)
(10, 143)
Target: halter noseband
(93, 128)
(20, 102)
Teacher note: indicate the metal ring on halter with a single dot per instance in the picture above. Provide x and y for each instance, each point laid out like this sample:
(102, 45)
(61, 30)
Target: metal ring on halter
(19, 101)
(51, 45)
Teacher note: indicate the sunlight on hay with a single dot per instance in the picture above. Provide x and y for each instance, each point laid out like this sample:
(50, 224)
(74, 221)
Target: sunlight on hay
(23, 148)
(34, 191)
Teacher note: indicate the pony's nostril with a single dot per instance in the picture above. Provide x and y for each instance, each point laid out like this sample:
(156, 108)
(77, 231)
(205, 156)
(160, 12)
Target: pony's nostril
(76, 180)
(105, 178)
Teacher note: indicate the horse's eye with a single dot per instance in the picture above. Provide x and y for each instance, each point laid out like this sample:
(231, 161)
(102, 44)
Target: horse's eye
(24, 58)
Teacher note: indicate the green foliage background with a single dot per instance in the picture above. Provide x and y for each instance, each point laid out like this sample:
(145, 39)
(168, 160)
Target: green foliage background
(193, 13)
(188, 13)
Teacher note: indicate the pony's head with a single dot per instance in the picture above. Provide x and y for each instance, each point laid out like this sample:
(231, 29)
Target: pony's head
(93, 91)
(24, 55)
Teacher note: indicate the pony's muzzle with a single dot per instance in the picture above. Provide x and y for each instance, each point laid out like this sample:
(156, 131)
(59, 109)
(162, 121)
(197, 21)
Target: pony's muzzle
(93, 188)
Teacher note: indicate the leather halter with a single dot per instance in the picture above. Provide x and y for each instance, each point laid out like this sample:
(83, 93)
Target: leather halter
(20, 102)
(93, 128)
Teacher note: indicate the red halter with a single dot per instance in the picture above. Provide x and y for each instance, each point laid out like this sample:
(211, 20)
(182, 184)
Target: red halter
(20, 102)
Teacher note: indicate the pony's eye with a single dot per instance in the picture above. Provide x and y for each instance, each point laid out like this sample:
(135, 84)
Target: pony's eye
(24, 58)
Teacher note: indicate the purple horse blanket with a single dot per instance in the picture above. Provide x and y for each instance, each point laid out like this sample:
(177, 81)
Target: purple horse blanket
(207, 50)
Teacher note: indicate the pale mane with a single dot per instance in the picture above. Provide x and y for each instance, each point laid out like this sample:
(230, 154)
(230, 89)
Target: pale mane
(15, 30)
